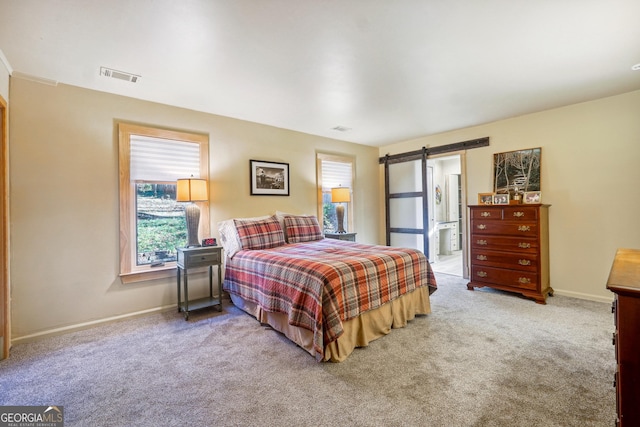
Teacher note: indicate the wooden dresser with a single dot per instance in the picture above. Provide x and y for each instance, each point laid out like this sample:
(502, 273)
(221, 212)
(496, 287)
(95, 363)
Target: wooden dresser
(510, 249)
(624, 281)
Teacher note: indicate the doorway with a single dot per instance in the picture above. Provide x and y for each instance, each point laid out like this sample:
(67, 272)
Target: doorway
(448, 209)
(425, 202)
(425, 209)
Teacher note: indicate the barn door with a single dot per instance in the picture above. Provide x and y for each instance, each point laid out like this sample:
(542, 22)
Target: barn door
(407, 203)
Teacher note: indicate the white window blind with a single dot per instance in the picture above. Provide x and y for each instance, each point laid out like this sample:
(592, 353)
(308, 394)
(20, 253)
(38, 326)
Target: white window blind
(159, 159)
(336, 174)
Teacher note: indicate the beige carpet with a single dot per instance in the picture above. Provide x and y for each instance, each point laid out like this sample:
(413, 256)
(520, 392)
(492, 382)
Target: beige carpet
(482, 358)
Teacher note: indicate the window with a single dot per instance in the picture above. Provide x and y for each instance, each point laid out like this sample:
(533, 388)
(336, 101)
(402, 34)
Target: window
(152, 223)
(334, 171)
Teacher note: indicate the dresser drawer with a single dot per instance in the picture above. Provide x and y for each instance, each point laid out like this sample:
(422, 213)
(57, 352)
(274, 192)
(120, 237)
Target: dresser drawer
(520, 213)
(512, 261)
(504, 243)
(512, 278)
(199, 258)
(505, 228)
(487, 213)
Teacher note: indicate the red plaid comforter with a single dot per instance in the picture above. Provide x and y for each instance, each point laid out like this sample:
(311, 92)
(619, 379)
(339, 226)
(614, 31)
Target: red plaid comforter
(319, 284)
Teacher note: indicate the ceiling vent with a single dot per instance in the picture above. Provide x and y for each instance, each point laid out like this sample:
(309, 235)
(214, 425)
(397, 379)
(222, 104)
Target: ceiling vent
(120, 75)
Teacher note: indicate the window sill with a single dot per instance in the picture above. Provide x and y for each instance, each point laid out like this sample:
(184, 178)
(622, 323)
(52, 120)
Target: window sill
(158, 273)
(142, 276)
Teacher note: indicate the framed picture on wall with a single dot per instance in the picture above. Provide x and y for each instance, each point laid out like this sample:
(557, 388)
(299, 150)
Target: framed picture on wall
(516, 171)
(485, 198)
(269, 178)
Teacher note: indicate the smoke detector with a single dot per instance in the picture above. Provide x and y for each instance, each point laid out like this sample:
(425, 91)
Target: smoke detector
(120, 75)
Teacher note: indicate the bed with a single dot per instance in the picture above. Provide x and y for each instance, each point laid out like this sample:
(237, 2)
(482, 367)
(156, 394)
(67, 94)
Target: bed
(328, 296)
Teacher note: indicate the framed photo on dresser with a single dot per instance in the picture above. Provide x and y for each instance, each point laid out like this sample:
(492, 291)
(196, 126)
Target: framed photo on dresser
(531, 197)
(485, 198)
(500, 199)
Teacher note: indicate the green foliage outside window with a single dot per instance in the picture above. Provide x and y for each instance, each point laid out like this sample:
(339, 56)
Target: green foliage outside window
(329, 219)
(160, 223)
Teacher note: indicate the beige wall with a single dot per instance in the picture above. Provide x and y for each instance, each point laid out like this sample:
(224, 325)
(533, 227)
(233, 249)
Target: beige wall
(64, 197)
(590, 176)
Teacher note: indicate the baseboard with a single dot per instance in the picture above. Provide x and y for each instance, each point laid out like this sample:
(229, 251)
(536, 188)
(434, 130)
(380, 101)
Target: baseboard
(581, 295)
(87, 325)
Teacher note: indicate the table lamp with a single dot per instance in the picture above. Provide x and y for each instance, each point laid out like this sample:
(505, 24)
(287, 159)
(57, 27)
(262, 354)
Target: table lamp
(192, 190)
(340, 195)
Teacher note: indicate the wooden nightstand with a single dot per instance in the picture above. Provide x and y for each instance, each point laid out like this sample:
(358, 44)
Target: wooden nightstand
(205, 256)
(351, 237)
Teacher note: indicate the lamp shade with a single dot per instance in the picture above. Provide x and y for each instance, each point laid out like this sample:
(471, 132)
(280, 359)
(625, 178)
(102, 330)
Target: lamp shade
(340, 194)
(191, 190)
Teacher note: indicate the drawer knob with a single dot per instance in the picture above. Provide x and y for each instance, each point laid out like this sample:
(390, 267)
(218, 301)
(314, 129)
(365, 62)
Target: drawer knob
(485, 214)
(524, 262)
(524, 245)
(481, 257)
(524, 280)
(481, 242)
(524, 228)
(481, 227)
(482, 274)
(518, 214)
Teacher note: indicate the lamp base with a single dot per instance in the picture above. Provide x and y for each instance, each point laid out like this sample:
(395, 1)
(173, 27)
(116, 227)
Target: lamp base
(340, 218)
(192, 215)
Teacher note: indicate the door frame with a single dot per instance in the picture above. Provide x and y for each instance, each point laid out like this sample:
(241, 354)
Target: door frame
(5, 306)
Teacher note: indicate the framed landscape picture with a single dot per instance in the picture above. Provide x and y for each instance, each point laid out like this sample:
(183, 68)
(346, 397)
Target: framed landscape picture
(516, 171)
(269, 178)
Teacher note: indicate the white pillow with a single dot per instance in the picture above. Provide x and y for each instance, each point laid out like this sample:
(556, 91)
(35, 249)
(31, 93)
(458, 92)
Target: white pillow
(229, 235)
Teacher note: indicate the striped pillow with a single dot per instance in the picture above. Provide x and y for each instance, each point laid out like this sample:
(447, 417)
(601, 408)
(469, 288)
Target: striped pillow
(260, 234)
(302, 228)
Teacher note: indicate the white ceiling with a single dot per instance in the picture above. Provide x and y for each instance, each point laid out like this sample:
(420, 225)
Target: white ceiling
(389, 70)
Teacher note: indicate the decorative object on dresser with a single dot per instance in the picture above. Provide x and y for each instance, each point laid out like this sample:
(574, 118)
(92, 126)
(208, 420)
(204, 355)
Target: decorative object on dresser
(510, 249)
(624, 282)
(532, 197)
(500, 199)
(191, 258)
(340, 195)
(192, 190)
(485, 198)
(351, 237)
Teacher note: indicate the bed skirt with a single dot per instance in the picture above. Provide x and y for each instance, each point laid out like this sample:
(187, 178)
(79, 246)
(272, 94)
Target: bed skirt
(358, 332)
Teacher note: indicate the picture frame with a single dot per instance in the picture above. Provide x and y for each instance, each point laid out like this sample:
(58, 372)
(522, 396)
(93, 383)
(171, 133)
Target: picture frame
(501, 199)
(269, 178)
(517, 171)
(485, 198)
(532, 197)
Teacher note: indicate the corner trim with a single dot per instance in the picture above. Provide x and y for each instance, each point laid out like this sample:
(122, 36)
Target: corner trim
(5, 61)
